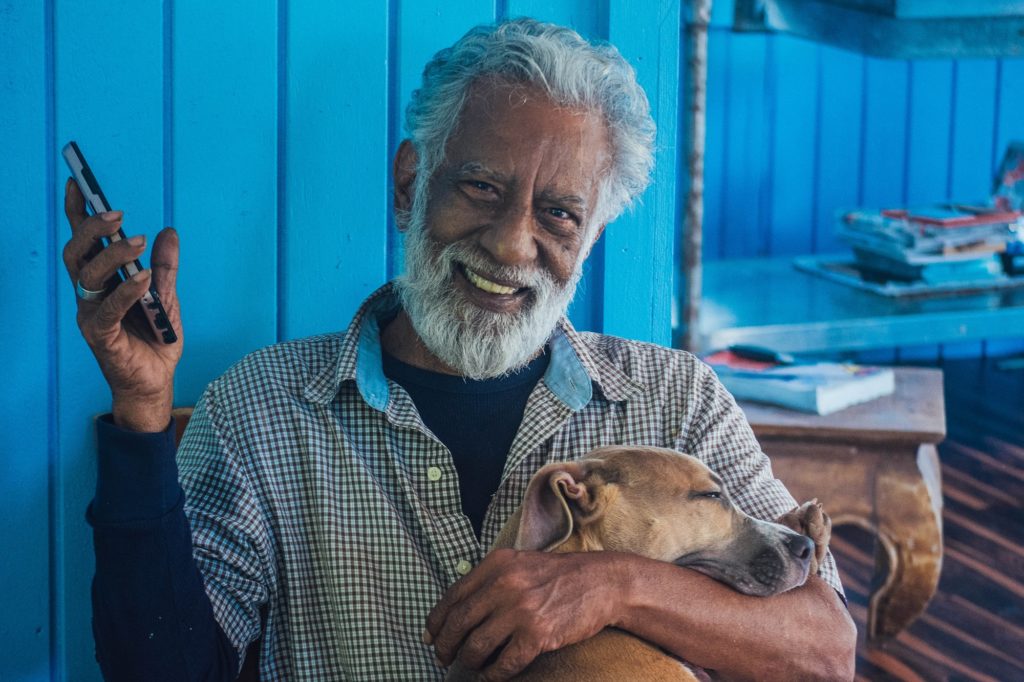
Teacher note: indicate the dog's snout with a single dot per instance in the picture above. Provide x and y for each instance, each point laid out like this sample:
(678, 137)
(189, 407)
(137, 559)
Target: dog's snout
(800, 546)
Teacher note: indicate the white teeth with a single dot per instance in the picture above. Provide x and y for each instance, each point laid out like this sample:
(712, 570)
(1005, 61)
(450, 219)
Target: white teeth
(486, 284)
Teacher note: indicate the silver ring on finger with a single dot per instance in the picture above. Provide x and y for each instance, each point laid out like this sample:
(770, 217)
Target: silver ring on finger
(87, 295)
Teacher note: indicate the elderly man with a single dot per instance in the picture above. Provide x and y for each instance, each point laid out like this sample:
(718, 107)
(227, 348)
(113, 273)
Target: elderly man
(337, 494)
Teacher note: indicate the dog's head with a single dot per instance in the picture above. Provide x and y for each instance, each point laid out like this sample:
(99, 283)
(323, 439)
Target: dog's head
(664, 505)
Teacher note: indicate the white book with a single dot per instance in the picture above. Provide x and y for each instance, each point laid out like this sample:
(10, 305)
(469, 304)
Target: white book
(815, 387)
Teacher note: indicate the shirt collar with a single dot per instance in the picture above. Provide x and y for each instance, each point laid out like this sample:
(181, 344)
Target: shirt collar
(572, 375)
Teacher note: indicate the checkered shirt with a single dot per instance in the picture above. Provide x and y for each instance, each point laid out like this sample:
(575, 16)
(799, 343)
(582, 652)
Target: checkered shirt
(315, 521)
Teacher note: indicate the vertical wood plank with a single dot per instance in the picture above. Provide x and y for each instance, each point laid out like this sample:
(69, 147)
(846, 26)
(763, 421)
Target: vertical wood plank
(225, 183)
(840, 137)
(974, 118)
(746, 150)
(113, 106)
(638, 274)
(716, 140)
(586, 17)
(794, 87)
(885, 129)
(27, 273)
(1010, 123)
(928, 133)
(335, 167)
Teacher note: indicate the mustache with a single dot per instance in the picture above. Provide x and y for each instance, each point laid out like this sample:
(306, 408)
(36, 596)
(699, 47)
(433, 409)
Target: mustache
(474, 258)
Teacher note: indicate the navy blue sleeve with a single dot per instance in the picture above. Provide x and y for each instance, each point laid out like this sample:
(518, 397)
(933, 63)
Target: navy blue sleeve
(152, 618)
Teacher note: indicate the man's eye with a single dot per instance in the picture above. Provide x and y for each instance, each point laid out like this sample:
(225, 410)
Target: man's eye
(560, 214)
(481, 186)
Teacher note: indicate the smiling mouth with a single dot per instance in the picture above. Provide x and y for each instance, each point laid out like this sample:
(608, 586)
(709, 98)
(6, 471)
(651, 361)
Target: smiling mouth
(487, 285)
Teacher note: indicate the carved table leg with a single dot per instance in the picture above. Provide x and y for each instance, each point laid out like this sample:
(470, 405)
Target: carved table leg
(908, 509)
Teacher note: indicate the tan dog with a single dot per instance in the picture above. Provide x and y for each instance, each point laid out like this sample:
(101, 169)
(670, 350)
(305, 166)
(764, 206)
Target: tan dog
(663, 505)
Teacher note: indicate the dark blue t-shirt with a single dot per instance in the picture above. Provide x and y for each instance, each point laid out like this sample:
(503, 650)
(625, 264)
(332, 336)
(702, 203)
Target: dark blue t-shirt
(476, 420)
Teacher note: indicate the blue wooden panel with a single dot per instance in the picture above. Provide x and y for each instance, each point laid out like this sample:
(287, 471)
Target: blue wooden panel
(840, 137)
(1010, 123)
(225, 183)
(928, 131)
(28, 275)
(884, 134)
(589, 18)
(746, 150)
(974, 118)
(794, 110)
(638, 248)
(335, 168)
(113, 107)
(716, 141)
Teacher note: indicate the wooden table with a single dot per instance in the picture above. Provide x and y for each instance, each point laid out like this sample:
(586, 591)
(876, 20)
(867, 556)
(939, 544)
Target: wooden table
(874, 465)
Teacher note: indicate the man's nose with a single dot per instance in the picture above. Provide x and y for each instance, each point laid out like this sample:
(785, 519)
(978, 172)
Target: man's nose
(510, 238)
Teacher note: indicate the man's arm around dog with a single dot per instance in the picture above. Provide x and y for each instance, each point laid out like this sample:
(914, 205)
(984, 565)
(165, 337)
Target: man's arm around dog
(539, 602)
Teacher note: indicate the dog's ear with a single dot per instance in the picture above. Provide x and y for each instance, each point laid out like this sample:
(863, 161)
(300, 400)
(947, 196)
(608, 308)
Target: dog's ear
(555, 492)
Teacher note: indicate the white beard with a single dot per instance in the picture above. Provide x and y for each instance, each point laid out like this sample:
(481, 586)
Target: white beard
(475, 342)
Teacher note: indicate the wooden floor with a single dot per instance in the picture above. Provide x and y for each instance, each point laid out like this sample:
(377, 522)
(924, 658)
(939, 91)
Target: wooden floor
(973, 628)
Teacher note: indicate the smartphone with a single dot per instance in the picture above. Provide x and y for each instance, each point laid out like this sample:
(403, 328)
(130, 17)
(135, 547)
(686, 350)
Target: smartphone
(150, 304)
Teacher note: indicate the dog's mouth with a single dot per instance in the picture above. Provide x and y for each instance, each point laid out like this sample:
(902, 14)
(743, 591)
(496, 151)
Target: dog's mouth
(764, 574)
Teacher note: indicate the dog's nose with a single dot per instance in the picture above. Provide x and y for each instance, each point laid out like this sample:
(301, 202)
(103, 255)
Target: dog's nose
(800, 546)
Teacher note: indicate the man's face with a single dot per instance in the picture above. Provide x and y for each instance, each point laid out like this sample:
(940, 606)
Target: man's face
(495, 253)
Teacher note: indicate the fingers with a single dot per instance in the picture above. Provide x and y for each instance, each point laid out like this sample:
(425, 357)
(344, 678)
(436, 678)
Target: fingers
(165, 263)
(513, 660)
(106, 323)
(85, 240)
(460, 619)
(98, 271)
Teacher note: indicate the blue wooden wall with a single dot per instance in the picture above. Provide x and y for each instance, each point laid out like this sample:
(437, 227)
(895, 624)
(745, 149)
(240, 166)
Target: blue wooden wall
(263, 132)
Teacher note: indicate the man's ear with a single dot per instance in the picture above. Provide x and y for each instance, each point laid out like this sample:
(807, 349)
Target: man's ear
(556, 498)
(403, 171)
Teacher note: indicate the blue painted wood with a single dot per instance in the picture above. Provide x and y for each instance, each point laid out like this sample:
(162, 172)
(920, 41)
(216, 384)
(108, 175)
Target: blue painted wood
(113, 107)
(746, 150)
(794, 111)
(638, 288)
(974, 118)
(27, 275)
(716, 140)
(1010, 123)
(884, 134)
(225, 184)
(928, 131)
(333, 225)
(840, 139)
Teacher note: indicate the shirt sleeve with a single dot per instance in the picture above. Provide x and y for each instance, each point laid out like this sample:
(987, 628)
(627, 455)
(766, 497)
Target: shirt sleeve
(230, 541)
(151, 617)
(721, 436)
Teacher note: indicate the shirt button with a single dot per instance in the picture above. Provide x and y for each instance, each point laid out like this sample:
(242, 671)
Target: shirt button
(463, 567)
(434, 474)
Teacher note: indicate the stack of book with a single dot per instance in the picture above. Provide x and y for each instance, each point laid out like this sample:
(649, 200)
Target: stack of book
(815, 387)
(948, 242)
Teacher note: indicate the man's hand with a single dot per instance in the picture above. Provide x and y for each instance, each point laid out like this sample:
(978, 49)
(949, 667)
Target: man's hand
(517, 605)
(138, 367)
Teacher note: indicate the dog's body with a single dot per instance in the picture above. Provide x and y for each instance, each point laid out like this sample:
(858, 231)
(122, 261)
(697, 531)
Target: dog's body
(663, 505)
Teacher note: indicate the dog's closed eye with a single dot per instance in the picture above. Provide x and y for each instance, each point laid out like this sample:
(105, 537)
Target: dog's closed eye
(707, 494)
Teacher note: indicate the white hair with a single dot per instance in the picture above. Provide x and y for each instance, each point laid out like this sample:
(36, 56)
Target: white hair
(570, 70)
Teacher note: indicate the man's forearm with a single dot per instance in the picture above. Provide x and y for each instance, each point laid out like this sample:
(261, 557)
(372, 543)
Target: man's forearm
(805, 633)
